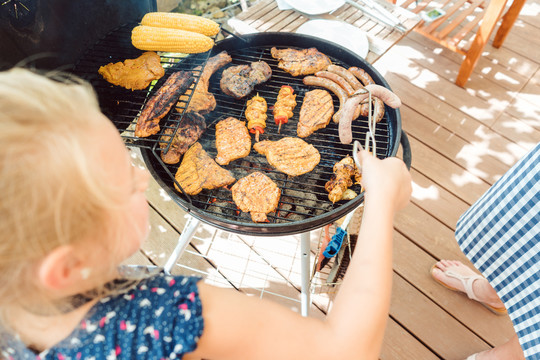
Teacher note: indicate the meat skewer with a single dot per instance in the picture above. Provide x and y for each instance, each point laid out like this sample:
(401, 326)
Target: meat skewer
(256, 115)
(161, 102)
(344, 171)
(284, 106)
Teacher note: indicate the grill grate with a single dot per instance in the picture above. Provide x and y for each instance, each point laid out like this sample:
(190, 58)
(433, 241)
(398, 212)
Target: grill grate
(304, 203)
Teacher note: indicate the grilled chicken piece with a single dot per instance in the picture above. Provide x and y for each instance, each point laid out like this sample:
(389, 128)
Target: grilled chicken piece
(256, 115)
(134, 74)
(199, 171)
(232, 140)
(256, 194)
(301, 62)
(293, 156)
(284, 106)
(316, 111)
(161, 102)
(202, 101)
(238, 81)
(190, 128)
(344, 170)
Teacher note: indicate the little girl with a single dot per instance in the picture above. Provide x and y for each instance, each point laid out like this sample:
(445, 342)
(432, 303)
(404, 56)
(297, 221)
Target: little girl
(73, 208)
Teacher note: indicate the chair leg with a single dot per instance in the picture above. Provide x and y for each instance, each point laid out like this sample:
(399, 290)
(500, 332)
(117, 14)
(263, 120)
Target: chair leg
(493, 13)
(508, 21)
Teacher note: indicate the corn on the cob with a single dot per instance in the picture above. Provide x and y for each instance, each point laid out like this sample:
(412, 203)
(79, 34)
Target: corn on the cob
(172, 40)
(186, 22)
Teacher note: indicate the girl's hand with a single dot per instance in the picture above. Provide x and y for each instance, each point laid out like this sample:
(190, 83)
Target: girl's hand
(385, 180)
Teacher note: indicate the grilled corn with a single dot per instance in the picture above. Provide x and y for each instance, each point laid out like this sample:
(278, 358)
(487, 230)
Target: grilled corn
(151, 38)
(186, 22)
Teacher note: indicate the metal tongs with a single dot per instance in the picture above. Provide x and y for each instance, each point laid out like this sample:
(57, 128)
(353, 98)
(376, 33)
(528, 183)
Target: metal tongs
(370, 134)
(379, 12)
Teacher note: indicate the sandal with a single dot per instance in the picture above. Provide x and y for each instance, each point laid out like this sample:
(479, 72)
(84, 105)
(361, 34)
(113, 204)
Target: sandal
(472, 357)
(467, 282)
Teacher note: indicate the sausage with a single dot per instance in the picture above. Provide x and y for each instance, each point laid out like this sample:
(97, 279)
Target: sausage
(333, 87)
(346, 74)
(362, 75)
(338, 80)
(347, 111)
(378, 109)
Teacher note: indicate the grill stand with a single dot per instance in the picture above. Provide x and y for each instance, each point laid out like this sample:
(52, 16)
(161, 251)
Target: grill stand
(193, 224)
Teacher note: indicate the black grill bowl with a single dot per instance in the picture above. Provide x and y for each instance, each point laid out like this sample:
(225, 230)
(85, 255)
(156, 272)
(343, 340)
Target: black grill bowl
(304, 203)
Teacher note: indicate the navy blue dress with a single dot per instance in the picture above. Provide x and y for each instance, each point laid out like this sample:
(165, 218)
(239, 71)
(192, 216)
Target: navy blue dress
(161, 318)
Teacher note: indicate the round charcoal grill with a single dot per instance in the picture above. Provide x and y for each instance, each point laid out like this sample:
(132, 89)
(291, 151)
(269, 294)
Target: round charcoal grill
(304, 203)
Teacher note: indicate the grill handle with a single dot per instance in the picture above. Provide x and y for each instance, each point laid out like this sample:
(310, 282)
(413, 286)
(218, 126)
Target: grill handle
(407, 153)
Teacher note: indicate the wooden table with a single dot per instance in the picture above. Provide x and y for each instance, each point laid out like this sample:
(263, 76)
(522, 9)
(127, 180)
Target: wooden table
(265, 16)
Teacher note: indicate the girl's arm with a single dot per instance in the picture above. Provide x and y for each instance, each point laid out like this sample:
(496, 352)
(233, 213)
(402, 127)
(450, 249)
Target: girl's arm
(243, 327)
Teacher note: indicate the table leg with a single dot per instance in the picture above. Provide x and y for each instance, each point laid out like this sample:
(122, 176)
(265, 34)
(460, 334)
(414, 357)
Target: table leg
(508, 20)
(305, 253)
(183, 241)
(493, 13)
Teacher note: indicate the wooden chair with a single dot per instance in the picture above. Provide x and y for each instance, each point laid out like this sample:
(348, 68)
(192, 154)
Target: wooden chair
(466, 27)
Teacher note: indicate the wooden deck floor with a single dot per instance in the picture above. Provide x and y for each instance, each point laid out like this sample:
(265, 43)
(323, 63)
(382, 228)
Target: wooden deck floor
(462, 141)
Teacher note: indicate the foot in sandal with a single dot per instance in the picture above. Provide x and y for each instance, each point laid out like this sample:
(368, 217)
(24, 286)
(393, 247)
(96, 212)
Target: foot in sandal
(456, 276)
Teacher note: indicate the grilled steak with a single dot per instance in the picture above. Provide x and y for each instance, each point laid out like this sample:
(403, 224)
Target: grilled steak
(202, 101)
(293, 156)
(199, 171)
(161, 102)
(301, 62)
(134, 74)
(256, 194)
(238, 81)
(316, 111)
(232, 140)
(190, 128)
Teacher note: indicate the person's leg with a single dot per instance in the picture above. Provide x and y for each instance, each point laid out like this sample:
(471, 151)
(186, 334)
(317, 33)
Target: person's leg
(510, 350)
(483, 291)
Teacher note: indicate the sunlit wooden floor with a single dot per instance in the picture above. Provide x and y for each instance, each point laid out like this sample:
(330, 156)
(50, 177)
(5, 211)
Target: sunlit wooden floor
(463, 140)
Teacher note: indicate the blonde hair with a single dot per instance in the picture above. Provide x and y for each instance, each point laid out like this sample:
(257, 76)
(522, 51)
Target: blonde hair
(51, 193)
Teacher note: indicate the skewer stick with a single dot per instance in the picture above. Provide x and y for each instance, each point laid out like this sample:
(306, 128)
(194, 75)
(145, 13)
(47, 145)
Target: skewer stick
(279, 127)
(257, 135)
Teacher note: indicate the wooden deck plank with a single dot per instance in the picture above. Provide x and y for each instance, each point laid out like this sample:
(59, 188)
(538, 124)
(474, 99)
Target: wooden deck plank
(399, 344)
(439, 331)
(413, 264)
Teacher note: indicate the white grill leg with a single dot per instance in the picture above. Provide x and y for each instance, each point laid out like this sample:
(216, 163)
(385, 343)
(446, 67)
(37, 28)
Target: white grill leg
(183, 241)
(305, 253)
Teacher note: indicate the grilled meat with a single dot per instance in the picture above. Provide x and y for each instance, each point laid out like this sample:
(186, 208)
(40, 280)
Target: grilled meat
(134, 74)
(316, 111)
(344, 170)
(232, 140)
(256, 194)
(199, 171)
(300, 62)
(293, 156)
(190, 128)
(256, 115)
(202, 101)
(238, 81)
(161, 102)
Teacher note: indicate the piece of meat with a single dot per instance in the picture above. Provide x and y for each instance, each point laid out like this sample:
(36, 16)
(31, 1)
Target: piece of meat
(202, 101)
(134, 74)
(351, 105)
(301, 62)
(346, 74)
(232, 140)
(316, 111)
(199, 171)
(333, 87)
(344, 171)
(256, 115)
(338, 79)
(284, 105)
(190, 128)
(292, 156)
(238, 81)
(161, 102)
(256, 194)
